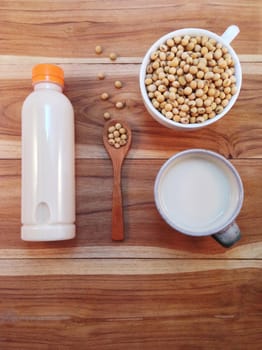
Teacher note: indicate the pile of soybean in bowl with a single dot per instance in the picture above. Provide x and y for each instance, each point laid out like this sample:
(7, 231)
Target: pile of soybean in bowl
(190, 79)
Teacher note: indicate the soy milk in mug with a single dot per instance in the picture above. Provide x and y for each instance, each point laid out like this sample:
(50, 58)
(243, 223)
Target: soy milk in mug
(199, 192)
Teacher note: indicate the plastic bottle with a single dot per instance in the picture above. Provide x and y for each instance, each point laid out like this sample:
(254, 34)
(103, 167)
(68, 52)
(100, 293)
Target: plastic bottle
(48, 177)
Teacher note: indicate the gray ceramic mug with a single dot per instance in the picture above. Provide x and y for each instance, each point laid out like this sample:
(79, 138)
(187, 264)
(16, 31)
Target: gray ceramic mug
(199, 193)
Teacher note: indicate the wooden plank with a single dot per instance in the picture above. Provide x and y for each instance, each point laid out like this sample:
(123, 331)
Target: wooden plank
(237, 135)
(147, 235)
(73, 29)
(214, 309)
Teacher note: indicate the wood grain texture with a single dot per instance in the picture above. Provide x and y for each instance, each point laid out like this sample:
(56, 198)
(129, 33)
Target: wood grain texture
(210, 309)
(158, 289)
(129, 267)
(123, 26)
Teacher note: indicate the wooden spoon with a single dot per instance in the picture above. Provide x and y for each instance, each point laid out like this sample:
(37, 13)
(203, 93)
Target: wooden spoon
(117, 156)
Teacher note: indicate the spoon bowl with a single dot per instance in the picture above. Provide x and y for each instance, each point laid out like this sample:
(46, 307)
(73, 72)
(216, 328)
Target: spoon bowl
(117, 156)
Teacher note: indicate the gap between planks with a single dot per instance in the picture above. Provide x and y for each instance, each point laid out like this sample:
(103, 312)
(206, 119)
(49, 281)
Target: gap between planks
(14, 59)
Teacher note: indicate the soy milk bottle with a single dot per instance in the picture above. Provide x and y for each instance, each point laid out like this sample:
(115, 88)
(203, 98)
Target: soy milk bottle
(48, 179)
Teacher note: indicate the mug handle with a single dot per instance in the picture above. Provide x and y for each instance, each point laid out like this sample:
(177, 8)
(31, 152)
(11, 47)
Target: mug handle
(230, 33)
(229, 236)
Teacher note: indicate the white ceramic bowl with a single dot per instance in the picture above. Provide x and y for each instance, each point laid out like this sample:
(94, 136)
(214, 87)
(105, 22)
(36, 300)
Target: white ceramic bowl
(225, 39)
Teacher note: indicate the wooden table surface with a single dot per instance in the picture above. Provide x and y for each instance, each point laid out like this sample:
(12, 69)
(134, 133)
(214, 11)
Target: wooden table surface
(158, 289)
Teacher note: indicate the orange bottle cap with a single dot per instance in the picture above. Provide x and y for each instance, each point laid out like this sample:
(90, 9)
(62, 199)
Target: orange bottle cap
(47, 72)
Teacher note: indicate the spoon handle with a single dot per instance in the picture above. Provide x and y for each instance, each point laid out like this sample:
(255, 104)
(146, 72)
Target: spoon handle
(117, 208)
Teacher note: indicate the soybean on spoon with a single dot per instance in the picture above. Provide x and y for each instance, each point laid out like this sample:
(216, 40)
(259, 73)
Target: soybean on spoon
(117, 156)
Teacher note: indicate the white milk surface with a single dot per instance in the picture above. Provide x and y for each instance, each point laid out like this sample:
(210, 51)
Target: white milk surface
(198, 194)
